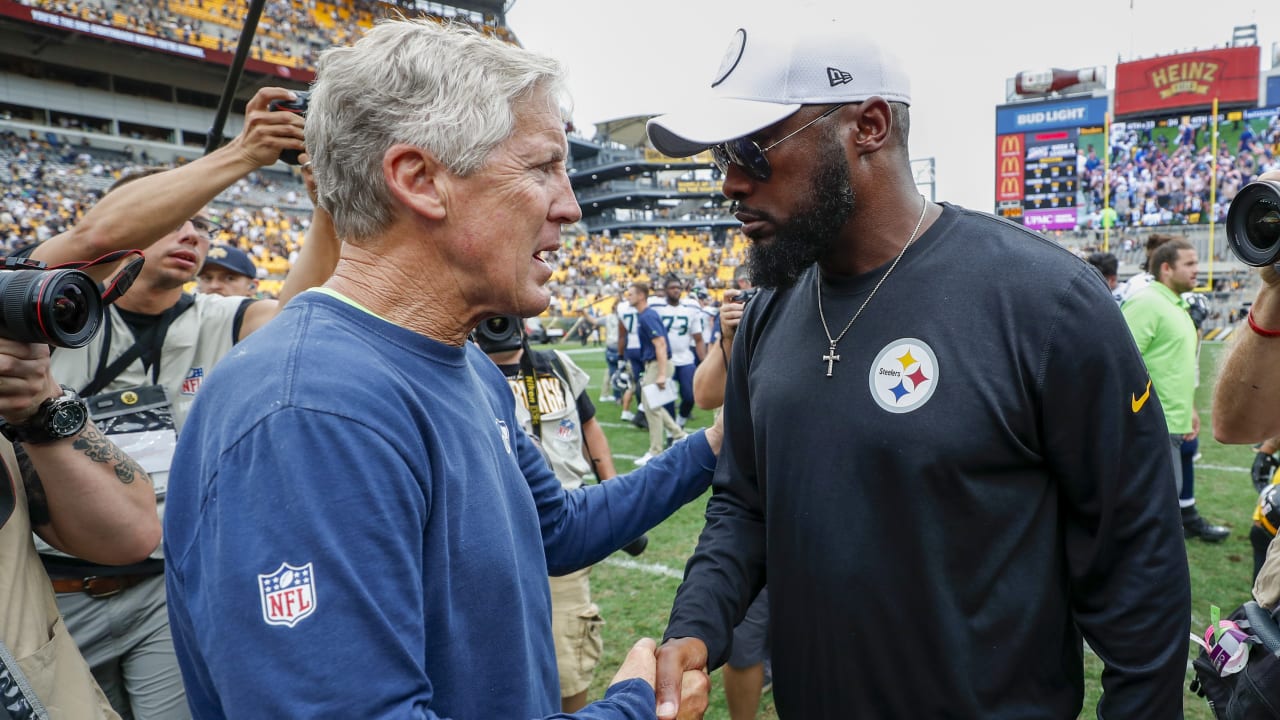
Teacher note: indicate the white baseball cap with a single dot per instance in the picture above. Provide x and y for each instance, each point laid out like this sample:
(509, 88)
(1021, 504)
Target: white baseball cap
(764, 78)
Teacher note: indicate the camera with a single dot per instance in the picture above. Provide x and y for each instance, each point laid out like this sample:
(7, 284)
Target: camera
(60, 307)
(498, 334)
(744, 295)
(1253, 223)
(298, 106)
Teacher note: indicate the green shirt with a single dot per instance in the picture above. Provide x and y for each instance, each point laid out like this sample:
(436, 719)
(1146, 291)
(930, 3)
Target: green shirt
(1166, 337)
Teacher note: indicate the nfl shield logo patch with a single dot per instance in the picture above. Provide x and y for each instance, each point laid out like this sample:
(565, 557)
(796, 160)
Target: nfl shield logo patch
(192, 382)
(565, 430)
(288, 594)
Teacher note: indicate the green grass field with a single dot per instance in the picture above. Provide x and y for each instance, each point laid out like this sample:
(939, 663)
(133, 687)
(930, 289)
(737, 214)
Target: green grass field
(635, 594)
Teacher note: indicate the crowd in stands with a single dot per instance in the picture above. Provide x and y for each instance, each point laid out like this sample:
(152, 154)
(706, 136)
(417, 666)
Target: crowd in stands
(1160, 181)
(290, 32)
(50, 184)
(591, 270)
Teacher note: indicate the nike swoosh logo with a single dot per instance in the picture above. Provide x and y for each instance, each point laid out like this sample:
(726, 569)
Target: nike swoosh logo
(1138, 402)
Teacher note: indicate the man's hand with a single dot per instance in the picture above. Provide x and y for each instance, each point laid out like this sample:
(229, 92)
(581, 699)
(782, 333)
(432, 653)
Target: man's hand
(640, 663)
(730, 316)
(266, 133)
(1195, 427)
(25, 381)
(683, 686)
(715, 433)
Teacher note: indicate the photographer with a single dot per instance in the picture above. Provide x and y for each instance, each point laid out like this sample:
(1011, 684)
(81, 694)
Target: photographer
(79, 493)
(557, 413)
(156, 348)
(1246, 406)
(1246, 400)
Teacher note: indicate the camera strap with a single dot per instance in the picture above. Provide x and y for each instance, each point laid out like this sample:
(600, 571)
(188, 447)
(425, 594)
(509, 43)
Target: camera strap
(150, 344)
(529, 378)
(123, 279)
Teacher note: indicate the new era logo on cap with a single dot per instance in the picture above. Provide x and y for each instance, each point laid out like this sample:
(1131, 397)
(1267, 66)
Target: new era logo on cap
(838, 77)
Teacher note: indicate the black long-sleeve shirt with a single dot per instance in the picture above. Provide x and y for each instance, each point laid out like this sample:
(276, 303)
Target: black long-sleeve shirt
(976, 487)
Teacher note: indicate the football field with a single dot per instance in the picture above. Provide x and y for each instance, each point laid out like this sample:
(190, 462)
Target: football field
(635, 594)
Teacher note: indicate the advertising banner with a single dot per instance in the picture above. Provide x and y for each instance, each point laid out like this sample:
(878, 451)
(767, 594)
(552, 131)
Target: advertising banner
(1009, 158)
(143, 40)
(1035, 116)
(1188, 80)
(1057, 219)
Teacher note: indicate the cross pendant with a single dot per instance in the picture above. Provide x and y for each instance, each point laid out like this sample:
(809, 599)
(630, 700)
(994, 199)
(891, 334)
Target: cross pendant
(831, 358)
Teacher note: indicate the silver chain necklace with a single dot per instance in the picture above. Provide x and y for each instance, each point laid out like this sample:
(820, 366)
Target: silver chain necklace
(831, 358)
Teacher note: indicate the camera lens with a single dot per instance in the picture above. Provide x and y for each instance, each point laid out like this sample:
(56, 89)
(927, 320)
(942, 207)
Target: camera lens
(56, 307)
(498, 326)
(498, 334)
(1264, 222)
(1253, 224)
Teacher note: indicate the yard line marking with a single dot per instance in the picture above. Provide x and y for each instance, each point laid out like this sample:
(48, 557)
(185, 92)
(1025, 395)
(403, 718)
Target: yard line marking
(1228, 468)
(650, 568)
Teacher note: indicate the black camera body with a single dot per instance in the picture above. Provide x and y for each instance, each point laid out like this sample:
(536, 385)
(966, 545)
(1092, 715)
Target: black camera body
(299, 107)
(499, 334)
(1253, 224)
(744, 295)
(59, 307)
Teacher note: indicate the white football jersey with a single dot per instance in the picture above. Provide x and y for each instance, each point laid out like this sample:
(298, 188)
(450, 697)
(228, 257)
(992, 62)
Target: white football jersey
(683, 321)
(627, 314)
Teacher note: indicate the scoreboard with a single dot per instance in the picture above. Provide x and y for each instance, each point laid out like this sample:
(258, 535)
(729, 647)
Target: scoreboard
(1049, 174)
(1036, 148)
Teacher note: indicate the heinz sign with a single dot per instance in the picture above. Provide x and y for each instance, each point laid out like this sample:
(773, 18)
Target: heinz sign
(1188, 80)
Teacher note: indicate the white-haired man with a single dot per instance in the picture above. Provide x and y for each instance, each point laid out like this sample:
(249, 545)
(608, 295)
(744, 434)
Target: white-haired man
(368, 533)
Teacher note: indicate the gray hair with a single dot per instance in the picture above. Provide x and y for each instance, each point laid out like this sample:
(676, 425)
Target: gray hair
(442, 87)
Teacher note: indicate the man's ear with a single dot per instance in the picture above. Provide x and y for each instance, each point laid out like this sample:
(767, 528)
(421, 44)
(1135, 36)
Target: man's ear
(417, 179)
(874, 121)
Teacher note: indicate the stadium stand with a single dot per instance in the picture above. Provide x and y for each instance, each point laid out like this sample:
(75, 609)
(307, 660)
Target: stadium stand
(70, 127)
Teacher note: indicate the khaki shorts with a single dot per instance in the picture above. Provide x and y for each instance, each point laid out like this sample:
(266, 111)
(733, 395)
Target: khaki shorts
(575, 625)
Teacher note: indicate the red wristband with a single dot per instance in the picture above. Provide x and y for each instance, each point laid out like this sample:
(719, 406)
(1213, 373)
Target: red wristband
(1254, 326)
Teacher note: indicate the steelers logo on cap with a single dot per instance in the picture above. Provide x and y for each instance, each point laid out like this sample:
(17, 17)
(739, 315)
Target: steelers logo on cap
(732, 55)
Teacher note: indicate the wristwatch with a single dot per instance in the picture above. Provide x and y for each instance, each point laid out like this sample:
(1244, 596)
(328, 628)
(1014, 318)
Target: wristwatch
(56, 419)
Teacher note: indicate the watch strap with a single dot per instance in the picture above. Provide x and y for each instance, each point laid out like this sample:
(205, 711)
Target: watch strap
(38, 428)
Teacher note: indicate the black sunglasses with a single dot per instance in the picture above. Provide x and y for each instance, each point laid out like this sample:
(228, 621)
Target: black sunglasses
(748, 155)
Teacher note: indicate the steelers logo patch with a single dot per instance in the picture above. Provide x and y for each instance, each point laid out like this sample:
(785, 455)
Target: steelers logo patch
(904, 375)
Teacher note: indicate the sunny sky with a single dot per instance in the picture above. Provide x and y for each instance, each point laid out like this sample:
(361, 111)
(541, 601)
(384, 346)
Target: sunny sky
(642, 57)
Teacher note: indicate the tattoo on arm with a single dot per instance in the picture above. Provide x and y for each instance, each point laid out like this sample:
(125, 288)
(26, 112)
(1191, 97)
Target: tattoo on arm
(100, 449)
(37, 502)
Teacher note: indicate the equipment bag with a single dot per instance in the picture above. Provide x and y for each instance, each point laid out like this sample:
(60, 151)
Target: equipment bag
(1253, 693)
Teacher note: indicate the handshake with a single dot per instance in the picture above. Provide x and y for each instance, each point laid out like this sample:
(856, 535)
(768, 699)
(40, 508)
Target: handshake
(677, 672)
